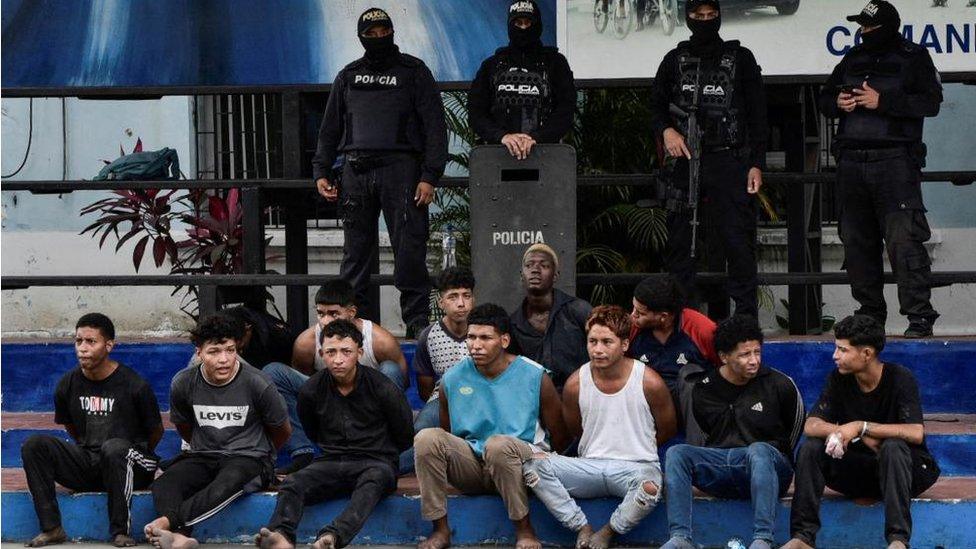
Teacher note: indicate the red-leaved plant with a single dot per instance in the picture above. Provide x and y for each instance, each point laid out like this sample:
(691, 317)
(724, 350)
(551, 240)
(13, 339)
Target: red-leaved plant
(214, 231)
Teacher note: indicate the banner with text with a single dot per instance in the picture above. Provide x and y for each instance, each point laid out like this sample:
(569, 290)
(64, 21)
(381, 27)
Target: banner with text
(607, 39)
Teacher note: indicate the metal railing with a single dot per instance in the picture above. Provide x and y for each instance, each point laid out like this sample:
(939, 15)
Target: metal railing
(255, 194)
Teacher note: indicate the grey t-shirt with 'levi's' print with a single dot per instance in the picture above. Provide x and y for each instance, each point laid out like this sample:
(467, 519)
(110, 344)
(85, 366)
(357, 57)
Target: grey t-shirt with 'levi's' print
(229, 419)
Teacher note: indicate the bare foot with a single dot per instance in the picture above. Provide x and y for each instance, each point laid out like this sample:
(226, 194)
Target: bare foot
(164, 539)
(603, 537)
(583, 537)
(325, 541)
(266, 539)
(527, 541)
(159, 523)
(55, 535)
(438, 539)
(124, 540)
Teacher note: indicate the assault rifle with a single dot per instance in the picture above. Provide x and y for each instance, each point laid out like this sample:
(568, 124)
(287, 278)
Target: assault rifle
(693, 141)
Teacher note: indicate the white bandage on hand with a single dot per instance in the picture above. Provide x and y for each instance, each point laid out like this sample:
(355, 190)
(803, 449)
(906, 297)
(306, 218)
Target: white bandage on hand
(835, 446)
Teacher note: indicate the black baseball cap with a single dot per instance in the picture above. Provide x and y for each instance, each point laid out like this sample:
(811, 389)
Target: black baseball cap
(877, 13)
(692, 5)
(523, 8)
(371, 18)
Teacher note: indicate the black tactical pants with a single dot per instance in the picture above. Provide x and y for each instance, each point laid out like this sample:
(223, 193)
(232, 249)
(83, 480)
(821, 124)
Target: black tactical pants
(728, 214)
(880, 198)
(387, 184)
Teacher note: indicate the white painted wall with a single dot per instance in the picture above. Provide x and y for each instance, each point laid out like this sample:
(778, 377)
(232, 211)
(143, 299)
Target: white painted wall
(40, 233)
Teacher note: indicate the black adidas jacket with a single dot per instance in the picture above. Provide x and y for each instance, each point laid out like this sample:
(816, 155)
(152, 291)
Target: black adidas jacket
(769, 409)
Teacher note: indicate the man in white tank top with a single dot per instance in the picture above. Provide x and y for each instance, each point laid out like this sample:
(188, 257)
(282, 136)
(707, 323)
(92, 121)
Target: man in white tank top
(621, 411)
(334, 301)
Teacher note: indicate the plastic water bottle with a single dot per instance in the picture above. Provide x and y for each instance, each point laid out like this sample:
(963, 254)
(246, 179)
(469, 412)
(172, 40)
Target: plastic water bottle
(735, 543)
(449, 247)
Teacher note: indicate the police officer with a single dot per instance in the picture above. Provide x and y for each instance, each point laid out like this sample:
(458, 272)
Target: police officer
(524, 93)
(385, 115)
(732, 117)
(882, 90)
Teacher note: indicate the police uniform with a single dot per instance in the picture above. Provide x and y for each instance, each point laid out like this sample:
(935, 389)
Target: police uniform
(879, 159)
(732, 118)
(524, 87)
(385, 115)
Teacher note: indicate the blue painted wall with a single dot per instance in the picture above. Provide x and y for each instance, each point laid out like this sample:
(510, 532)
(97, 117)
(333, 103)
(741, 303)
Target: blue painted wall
(31, 371)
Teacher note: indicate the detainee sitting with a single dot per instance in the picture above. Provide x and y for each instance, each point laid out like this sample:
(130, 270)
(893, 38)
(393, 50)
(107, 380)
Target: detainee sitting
(112, 416)
(234, 421)
(362, 422)
(381, 351)
(622, 412)
(497, 410)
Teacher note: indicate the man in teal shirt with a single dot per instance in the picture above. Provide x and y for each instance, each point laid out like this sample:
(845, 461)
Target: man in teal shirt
(497, 410)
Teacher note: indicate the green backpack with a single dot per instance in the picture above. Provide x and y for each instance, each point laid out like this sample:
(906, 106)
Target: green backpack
(158, 165)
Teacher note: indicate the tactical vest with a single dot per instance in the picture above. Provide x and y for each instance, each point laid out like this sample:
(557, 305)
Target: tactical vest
(522, 92)
(719, 118)
(885, 72)
(380, 112)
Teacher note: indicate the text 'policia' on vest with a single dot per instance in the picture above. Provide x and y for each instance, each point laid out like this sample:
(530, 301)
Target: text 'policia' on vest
(524, 87)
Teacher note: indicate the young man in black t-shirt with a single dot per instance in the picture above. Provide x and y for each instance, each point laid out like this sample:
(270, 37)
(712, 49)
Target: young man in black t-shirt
(865, 437)
(112, 415)
(233, 418)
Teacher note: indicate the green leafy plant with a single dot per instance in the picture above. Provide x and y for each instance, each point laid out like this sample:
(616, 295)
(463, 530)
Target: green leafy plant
(214, 231)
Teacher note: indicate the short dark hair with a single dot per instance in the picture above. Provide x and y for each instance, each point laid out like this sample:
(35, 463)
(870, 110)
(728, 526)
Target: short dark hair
(342, 329)
(735, 330)
(659, 294)
(490, 314)
(336, 292)
(861, 330)
(453, 278)
(216, 328)
(98, 321)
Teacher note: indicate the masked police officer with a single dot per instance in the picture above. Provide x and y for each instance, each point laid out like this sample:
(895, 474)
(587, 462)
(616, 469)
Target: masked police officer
(731, 114)
(882, 90)
(524, 93)
(385, 114)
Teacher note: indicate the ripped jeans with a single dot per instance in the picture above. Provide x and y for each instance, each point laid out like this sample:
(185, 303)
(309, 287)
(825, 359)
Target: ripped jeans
(556, 480)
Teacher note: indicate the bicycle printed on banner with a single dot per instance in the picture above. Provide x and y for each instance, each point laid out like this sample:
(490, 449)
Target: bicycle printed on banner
(623, 16)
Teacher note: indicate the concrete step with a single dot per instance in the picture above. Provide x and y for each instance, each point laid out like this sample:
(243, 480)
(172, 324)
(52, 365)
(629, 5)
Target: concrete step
(944, 367)
(939, 517)
(951, 439)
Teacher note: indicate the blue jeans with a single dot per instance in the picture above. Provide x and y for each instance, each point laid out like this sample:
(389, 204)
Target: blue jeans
(429, 416)
(392, 370)
(288, 381)
(759, 472)
(556, 480)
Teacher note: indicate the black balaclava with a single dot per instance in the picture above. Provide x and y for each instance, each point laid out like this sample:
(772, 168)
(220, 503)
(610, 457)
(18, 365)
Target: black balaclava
(881, 14)
(524, 38)
(378, 50)
(704, 34)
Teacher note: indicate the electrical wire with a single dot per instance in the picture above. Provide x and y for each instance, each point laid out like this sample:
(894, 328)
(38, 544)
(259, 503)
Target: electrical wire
(30, 138)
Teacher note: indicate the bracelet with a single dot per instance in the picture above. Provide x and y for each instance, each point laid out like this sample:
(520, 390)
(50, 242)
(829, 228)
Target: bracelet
(864, 428)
